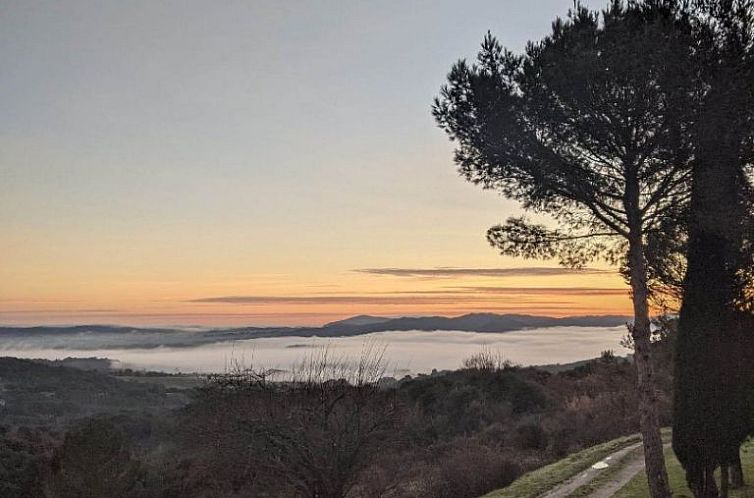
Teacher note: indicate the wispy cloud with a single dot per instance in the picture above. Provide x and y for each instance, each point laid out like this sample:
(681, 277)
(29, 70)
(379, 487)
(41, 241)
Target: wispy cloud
(450, 272)
(59, 311)
(569, 291)
(450, 296)
(518, 291)
(349, 299)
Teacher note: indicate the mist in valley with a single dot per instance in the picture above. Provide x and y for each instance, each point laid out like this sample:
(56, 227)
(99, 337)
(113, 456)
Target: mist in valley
(405, 352)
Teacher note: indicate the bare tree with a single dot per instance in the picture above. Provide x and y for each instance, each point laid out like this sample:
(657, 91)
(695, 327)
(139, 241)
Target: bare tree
(310, 435)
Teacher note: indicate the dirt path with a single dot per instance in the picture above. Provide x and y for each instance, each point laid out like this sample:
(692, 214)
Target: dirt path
(621, 478)
(607, 489)
(569, 486)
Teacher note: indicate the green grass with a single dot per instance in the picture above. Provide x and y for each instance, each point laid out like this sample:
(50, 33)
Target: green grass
(637, 487)
(543, 479)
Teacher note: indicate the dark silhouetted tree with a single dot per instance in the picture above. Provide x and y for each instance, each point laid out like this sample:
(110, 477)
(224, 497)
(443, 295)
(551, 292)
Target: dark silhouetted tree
(590, 127)
(713, 362)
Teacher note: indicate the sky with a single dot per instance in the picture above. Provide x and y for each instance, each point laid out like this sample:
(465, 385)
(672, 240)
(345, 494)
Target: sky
(253, 163)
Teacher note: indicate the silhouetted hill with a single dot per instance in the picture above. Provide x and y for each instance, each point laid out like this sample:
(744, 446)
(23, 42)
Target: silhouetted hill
(90, 337)
(491, 322)
(359, 320)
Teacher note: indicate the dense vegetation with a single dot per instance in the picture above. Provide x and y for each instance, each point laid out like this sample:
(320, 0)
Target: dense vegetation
(40, 402)
(450, 434)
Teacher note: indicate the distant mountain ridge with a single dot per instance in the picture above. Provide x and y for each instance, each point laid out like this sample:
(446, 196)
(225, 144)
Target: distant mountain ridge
(102, 336)
(359, 320)
(481, 322)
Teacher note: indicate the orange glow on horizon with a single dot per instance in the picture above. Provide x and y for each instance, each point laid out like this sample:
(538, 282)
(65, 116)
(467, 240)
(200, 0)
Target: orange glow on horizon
(266, 302)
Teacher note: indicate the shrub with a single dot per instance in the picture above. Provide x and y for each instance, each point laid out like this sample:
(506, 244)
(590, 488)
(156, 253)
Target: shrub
(470, 470)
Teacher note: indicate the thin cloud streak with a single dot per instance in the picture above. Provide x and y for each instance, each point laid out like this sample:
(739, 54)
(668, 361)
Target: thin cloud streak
(544, 291)
(569, 291)
(355, 299)
(449, 272)
(460, 294)
(60, 310)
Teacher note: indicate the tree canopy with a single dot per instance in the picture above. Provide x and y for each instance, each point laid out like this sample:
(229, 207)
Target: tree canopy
(573, 125)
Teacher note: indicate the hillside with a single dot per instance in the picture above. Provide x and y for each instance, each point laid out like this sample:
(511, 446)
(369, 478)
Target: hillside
(455, 434)
(33, 393)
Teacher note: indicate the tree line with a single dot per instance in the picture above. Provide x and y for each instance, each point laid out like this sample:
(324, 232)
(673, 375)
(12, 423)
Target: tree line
(632, 128)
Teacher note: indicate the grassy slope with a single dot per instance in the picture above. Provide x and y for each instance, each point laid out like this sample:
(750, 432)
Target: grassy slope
(538, 481)
(637, 487)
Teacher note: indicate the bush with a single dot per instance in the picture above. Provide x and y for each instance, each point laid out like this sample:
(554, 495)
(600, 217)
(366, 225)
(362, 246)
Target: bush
(470, 470)
(95, 461)
(530, 436)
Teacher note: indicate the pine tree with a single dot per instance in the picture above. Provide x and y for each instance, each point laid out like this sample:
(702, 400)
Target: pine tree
(588, 126)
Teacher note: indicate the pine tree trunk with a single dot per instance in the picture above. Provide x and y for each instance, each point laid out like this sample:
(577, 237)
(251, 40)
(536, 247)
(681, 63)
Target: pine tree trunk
(654, 458)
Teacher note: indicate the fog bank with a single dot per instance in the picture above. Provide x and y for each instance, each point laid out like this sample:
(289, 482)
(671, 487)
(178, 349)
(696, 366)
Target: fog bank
(405, 351)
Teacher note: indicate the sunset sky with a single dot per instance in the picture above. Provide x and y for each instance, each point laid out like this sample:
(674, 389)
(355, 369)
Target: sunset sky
(253, 163)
